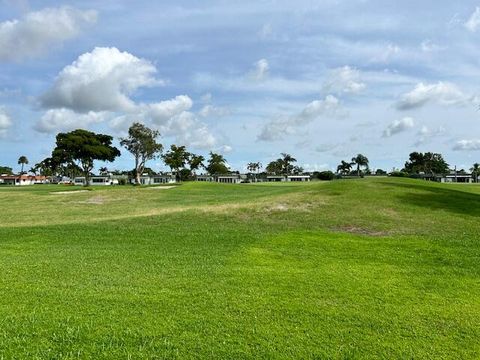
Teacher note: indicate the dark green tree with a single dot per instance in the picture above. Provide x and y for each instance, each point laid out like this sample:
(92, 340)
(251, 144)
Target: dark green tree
(195, 162)
(344, 168)
(217, 164)
(176, 158)
(84, 147)
(6, 170)
(142, 143)
(426, 163)
(475, 169)
(22, 160)
(361, 161)
(275, 167)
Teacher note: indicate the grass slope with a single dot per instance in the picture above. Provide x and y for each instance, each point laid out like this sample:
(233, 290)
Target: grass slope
(373, 268)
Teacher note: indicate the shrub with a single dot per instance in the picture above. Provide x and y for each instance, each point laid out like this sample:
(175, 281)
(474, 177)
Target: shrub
(399, 174)
(326, 175)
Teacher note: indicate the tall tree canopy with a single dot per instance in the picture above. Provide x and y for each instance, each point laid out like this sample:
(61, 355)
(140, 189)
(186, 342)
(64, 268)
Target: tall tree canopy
(217, 164)
(344, 168)
(475, 169)
(195, 162)
(84, 147)
(176, 158)
(142, 143)
(22, 160)
(283, 165)
(361, 161)
(427, 163)
(6, 170)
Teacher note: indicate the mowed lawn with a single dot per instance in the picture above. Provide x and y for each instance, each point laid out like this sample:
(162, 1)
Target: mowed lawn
(367, 268)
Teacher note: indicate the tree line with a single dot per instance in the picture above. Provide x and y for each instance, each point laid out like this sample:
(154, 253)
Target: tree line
(75, 152)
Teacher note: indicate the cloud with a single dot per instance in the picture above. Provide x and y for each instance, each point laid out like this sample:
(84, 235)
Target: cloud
(425, 134)
(173, 119)
(261, 70)
(215, 111)
(399, 126)
(101, 80)
(386, 54)
(344, 80)
(278, 128)
(325, 147)
(467, 145)
(36, 32)
(5, 122)
(442, 93)
(66, 120)
(473, 22)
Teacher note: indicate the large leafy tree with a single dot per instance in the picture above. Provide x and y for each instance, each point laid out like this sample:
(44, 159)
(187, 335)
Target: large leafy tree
(217, 164)
(275, 167)
(344, 168)
(475, 171)
(22, 160)
(254, 168)
(195, 162)
(6, 170)
(361, 161)
(142, 143)
(176, 158)
(287, 162)
(84, 147)
(427, 163)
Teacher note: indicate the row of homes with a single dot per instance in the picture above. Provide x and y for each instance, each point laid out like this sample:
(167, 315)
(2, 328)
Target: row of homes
(108, 180)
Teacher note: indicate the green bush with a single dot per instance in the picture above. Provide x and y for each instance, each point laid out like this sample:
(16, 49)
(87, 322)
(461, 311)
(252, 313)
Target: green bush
(399, 174)
(326, 175)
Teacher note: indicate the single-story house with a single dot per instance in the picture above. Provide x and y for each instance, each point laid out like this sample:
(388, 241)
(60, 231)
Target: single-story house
(155, 179)
(95, 181)
(298, 178)
(281, 178)
(224, 179)
(458, 178)
(22, 180)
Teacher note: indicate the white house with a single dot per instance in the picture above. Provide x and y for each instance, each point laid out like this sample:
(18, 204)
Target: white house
(298, 178)
(281, 178)
(22, 180)
(156, 179)
(224, 179)
(95, 181)
(458, 178)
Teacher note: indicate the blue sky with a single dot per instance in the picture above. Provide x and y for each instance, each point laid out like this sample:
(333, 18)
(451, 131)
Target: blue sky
(250, 79)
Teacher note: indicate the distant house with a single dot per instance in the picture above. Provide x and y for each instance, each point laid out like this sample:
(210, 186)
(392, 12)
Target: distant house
(156, 179)
(282, 178)
(224, 178)
(22, 180)
(457, 178)
(95, 181)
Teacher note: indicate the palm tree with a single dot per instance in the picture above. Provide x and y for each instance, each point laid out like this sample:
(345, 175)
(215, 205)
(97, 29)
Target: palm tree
(287, 161)
(22, 160)
(254, 167)
(103, 170)
(360, 160)
(344, 167)
(475, 171)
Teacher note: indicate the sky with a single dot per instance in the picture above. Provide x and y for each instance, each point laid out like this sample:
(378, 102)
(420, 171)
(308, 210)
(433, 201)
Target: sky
(321, 80)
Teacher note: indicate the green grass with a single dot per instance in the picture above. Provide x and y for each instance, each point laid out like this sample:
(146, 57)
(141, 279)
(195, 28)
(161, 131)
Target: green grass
(370, 268)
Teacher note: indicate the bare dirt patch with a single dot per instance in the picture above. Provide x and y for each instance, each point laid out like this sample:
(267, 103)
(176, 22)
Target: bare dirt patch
(68, 192)
(360, 231)
(160, 187)
(96, 200)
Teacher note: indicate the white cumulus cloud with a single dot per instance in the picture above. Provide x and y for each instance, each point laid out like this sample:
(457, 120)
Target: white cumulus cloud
(261, 70)
(467, 145)
(5, 122)
(101, 80)
(473, 22)
(442, 93)
(276, 129)
(37, 31)
(66, 120)
(399, 126)
(344, 80)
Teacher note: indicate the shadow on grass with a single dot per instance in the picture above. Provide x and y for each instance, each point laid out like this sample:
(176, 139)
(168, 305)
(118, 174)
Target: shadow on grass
(438, 197)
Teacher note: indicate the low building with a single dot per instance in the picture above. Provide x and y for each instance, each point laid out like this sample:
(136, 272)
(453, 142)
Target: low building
(22, 180)
(222, 178)
(155, 179)
(298, 178)
(95, 181)
(289, 178)
(457, 178)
